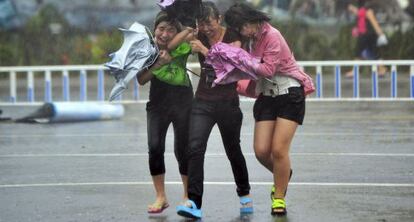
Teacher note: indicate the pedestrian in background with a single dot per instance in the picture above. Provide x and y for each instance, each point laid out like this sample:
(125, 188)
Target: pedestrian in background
(369, 34)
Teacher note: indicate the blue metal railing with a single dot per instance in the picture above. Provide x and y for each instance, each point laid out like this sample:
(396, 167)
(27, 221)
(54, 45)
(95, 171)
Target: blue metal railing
(356, 79)
(96, 77)
(338, 81)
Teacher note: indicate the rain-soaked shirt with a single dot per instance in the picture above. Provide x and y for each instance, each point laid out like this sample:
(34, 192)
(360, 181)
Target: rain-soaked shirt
(175, 72)
(171, 84)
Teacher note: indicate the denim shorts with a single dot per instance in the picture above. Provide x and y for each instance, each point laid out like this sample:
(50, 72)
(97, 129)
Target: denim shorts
(289, 106)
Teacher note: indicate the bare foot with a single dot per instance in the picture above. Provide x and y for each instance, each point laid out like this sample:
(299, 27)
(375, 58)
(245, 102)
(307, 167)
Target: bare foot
(158, 206)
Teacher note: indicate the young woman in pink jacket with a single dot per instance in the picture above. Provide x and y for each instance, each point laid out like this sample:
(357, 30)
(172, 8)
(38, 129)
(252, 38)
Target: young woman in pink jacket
(281, 89)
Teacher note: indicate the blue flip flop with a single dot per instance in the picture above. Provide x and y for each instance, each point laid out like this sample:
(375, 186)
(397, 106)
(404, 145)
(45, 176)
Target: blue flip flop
(244, 201)
(189, 212)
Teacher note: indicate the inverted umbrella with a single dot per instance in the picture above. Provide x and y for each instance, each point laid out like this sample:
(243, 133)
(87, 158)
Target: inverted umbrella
(138, 52)
(231, 63)
(165, 3)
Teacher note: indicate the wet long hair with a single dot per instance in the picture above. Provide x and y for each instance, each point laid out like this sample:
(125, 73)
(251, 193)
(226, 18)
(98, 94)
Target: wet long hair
(185, 11)
(209, 9)
(239, 14)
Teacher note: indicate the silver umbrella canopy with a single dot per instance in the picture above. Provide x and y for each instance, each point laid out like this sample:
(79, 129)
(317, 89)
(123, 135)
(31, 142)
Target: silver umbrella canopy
(138, 52)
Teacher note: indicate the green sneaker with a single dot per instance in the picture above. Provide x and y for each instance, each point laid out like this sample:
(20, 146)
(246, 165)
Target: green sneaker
(278, 207)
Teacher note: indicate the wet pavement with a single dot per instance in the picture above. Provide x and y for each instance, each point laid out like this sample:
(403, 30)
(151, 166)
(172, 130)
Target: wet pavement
(352, 161)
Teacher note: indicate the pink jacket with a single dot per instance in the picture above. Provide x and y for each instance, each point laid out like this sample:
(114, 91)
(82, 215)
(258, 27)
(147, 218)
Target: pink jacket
(276, 58)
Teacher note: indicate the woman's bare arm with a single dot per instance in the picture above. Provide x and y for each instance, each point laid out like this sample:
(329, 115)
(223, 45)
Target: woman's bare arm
(371, 17)
(147, 75)
(181, 37)
(353, 9)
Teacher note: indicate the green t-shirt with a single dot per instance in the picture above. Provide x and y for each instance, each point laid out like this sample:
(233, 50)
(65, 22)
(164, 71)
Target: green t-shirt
(175, 72)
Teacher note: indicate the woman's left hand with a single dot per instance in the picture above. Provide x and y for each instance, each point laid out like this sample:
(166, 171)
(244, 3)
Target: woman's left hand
(197, 46)
(192, 33)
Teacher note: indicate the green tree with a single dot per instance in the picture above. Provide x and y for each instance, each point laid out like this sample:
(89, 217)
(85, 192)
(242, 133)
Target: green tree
(45, 37)
(344, 44)
(104, 44)
(9, 54)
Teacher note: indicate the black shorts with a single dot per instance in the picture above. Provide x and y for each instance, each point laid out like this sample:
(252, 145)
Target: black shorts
(289, 106)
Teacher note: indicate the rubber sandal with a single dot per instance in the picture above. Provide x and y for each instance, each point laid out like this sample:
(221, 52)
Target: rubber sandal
(157, 208)
(245, 208)
(278, 207)
(189, 212)
(273, 190)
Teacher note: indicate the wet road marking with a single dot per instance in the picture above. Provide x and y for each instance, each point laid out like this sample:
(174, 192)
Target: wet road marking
(207, 183)
(207, 155)
(120, 135)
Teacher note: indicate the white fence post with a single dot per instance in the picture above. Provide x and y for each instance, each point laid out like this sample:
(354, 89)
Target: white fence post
(338, 81)
(393, 81)
(412, 80)
(374, 70)
(66, 85)
(356, 81)
(83, 86)
(319, 82)
(30, 86)
(48, 86)
(101, 85)
(13, 91)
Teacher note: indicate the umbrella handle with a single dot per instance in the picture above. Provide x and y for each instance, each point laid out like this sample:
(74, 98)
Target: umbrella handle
(192, 72)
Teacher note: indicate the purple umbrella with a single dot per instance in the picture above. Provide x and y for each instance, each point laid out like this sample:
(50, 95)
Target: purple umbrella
(231, 63)
(165, 3)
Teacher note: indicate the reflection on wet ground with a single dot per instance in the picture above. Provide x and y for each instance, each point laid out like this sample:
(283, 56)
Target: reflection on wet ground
(353, 161)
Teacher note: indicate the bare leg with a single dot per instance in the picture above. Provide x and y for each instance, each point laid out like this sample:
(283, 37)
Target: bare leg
(282, 138)
(263, 133)
(350, 73)
(159, 186)
(184, 178)
(382, 70)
